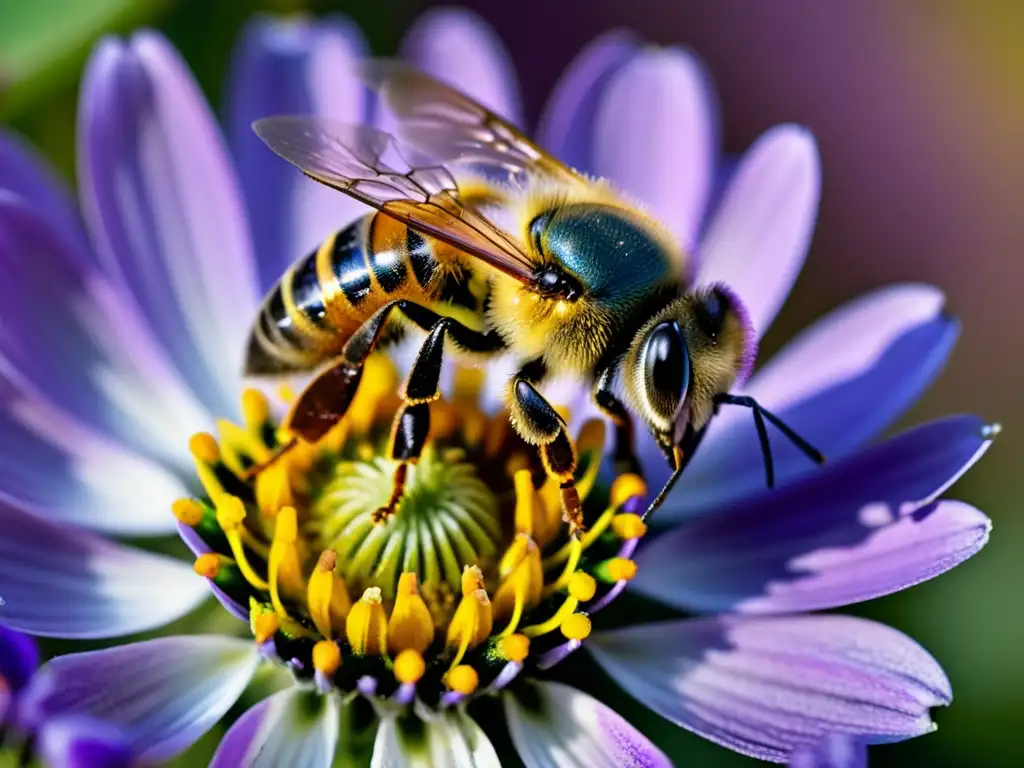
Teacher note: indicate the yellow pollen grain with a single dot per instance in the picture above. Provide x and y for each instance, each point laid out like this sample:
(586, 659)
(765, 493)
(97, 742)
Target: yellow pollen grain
(620, 569)
(582, 586)
(265, 626)
(203, 446)
(207, 565)
(255, 409)
(411, 626)
(463, 679)
(409, 667)
(515, 647)
(367, 625)
(326, 657)
(187, 511)
(576, 627)
(626, 487)
(628, 526)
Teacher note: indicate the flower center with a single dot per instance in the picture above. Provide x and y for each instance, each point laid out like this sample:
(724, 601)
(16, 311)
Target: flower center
(474, 577)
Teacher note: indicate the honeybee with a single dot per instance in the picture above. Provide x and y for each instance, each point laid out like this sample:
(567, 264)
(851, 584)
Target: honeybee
(556, 268)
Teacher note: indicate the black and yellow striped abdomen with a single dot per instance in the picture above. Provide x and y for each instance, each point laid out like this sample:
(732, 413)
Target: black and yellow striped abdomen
(326, 295)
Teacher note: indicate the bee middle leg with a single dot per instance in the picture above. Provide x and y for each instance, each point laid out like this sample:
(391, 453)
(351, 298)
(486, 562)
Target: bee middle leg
(538, 423)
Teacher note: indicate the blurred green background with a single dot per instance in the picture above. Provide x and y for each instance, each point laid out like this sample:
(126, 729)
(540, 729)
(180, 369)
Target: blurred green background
(919, 110)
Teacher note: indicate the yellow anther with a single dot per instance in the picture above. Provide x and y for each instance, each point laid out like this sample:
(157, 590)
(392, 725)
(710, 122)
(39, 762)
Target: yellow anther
(472, 579)
(203, 447)
(472, 622)
(274, 488)
(255, 409)
(326, 657)
(626, 487)
(327, 596)
(187, 511)
(231, 519)
(263, 621)
(208, 565)
(409, 667)
(525, 496)
(463, 679)
(523, 585)
(367, 625)
(284, 566)
(515, 647)
(619, 569)
(576, 627)
(411, 625)
(582, 586)
(628, 526)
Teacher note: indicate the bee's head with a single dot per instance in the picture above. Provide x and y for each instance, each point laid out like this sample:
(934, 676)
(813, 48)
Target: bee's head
(697, 347)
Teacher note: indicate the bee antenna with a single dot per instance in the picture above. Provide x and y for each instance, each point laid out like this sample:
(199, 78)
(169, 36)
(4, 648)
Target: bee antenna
(762, 414)
(676, 474)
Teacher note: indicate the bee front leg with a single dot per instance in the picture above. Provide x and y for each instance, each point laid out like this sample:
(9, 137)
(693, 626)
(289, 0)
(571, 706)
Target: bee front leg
(538, 423)
(609, 404)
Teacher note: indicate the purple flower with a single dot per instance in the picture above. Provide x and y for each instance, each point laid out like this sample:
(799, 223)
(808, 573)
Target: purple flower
(122, 342)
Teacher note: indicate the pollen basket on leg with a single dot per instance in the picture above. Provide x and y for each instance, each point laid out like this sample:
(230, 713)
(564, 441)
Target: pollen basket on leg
(472, 577)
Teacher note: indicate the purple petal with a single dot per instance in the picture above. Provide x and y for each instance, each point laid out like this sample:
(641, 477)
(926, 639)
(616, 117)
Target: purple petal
(291, 67)
(60, 581)
(566, 128)
(655, 137)
(863, 527)
(462, 49)
(161, 695)
(164, 208)
(758, 238)
(71, 338)
(834, 751)
(839, 384)
(25, 174)
(82, 742)
(58, 468)
(293, 727)
(765, 687)
(19, 657)
(560, 727)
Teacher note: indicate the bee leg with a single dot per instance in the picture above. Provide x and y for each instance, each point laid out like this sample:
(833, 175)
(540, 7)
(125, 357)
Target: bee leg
(411, 426)
(538, 423)
(609, 404)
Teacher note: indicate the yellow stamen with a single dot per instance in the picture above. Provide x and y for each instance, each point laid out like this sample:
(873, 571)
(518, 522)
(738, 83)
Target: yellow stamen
(203, 447)
(582, 587)
(590, 443)
(524, 582)
(409, 667)
(592, 535)
(236, 442)
(625, 487)
(274, 488)
(255, 409)
(515, 647)
(525, 494)
(367, 625)
(208, 565)
(575, 553)
(472, 622)
(284, 567)
(411, 625)
(628, 526)
(617, 569)
(187, 511)
(576, 627)
(326, 657)
(231, 518)
(463, 679)
(263, 622)
(327, 596)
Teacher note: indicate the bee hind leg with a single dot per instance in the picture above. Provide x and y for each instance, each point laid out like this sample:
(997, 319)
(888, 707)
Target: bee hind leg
(538, 423)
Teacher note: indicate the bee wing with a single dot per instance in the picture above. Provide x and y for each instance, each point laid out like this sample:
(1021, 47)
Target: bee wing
(447, 125)
(375, 168)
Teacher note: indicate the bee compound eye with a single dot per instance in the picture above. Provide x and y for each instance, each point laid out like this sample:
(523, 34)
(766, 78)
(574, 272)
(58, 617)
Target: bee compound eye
(666, 368)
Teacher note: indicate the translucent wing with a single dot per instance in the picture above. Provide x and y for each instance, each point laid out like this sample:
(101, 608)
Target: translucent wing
(373, 167)
(447, 125)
